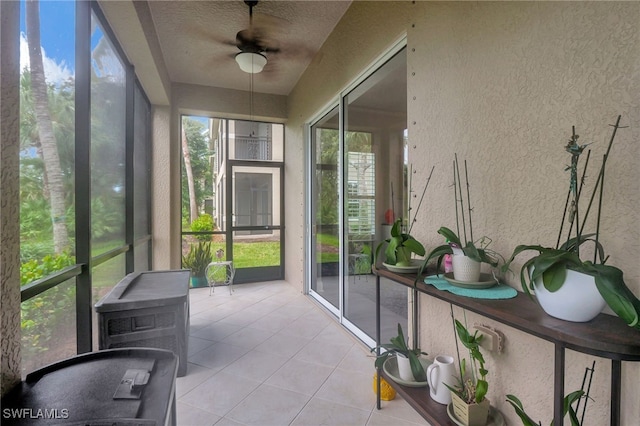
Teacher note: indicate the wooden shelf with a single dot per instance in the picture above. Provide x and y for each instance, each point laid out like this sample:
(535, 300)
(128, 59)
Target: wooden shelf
(419, 400)
(605, 336)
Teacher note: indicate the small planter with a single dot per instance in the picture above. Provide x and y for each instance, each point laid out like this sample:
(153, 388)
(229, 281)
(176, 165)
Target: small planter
(465, 268)
(198, 281)
(404, 368)
(470, 414)
(578, 299)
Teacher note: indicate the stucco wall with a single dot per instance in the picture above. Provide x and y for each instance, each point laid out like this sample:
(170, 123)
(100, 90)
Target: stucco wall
(501, 84)
(9, 198)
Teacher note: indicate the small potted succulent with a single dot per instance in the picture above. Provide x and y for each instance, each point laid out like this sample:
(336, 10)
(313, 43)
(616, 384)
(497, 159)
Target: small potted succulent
(565, 285)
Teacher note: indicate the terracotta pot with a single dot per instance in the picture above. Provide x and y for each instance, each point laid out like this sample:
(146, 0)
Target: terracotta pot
(578, 299)
(470, 414)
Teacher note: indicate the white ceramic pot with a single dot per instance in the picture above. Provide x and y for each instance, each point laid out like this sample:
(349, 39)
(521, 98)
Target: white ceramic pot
(578, 299)
(404, 368)
(465, 268)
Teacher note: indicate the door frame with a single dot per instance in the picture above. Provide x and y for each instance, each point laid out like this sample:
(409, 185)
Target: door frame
(310, 273)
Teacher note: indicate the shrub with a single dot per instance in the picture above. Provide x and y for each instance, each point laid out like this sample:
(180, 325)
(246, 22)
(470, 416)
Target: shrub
(204, 223)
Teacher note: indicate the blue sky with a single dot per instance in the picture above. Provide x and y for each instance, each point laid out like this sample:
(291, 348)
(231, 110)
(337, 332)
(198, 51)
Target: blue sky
(57, 30)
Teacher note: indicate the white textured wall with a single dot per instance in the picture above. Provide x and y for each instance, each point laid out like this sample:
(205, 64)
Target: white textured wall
(500, 84)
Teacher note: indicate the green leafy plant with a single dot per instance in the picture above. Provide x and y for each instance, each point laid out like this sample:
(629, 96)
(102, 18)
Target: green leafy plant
(568, 409)
(551, 263)
(477, 251)
(400, 246)
(472, 384)
(398, 345)
(204, 223)
(198, 258)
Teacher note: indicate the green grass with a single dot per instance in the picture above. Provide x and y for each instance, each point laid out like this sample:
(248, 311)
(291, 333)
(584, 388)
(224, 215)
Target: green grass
(331, 241)
(251, 255)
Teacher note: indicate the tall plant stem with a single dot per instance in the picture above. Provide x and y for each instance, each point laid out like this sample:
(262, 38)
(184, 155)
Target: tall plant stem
(586, 394)
(566, 204)
(459, 192)
(466, 177)
(410, 181)
(392, 204)
(595, 252)
(455, 198)
(575, 215)
(472, 359)
(564, 217)
(455, 339)
(421, 198)
(600, 175)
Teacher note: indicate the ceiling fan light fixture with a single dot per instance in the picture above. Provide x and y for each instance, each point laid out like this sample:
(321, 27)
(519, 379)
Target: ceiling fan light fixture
(251, 62)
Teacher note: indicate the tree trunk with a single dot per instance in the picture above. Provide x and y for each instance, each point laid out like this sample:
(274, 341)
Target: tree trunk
(53, 171)
(193, 206)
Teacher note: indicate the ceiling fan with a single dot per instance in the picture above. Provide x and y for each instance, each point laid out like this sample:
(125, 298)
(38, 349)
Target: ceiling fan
(253, 43)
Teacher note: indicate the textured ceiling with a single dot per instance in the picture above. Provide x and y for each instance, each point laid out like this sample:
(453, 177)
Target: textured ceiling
(197, 39)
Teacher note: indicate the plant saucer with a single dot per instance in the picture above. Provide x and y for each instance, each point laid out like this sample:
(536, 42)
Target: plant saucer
(390, 367)
(413, 268)
(485, 281)
(494, 419)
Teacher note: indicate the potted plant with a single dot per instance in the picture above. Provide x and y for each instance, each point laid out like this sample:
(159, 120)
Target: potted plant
(197, 259)
(401, 245)
(554, 272)
(470, 404)
(400, 248)
(568, 409)
(466, 257)
(475, 253)
(409, 366)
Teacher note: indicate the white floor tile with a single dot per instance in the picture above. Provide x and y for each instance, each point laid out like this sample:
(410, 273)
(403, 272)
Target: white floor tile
(268, 355)
(319, 412)
(269, 406)
(300, 376)
(220, 393)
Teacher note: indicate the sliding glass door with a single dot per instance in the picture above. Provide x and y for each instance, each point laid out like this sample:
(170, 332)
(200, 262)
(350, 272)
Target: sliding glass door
(325, 244)
(358, 173)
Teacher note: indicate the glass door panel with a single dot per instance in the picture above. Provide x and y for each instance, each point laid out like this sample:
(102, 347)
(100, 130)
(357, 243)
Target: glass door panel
(325, 210)
(374, 181)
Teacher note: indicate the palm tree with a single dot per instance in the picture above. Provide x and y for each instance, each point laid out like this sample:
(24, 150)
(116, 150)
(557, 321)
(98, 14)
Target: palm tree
(193, 206)
(53, 171)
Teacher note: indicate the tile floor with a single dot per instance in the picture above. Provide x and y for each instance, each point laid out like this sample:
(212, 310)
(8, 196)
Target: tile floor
(269, 355)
